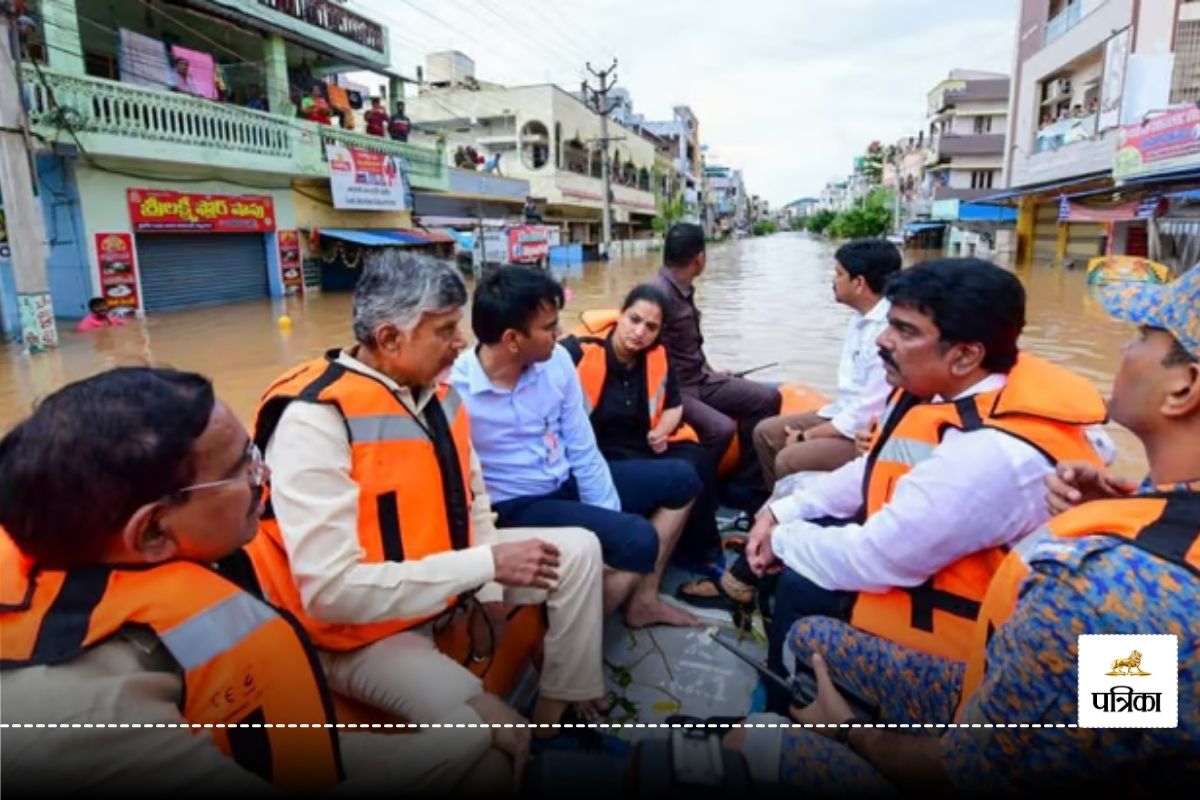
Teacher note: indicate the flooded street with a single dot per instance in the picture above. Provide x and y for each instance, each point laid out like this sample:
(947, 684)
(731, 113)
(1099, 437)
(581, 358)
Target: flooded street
(763, 300)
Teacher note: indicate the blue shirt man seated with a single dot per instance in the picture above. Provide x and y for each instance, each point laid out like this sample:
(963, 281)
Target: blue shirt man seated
(531, 430)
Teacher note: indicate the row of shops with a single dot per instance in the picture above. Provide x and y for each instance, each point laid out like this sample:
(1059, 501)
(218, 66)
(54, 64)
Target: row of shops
(150, 246)
(1147, 206)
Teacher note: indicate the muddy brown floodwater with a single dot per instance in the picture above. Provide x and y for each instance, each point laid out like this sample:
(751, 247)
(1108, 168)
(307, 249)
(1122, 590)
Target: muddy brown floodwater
(764, 300)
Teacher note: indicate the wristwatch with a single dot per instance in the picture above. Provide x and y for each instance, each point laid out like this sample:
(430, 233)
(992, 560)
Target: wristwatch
(844, 730)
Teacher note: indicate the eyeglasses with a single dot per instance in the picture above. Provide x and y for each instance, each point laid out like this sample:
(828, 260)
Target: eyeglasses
(256, 475)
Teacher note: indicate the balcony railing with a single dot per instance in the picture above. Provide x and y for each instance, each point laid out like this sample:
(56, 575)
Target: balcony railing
(1065, 132)
(95, 105)
(334, 18)
(1067, 18)
(59, 103)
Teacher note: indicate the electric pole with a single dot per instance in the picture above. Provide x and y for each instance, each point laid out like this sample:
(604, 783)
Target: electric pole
(599, 101)
(23, 215)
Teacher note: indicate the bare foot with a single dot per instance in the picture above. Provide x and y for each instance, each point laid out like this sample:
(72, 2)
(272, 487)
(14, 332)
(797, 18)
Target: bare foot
(642, 613)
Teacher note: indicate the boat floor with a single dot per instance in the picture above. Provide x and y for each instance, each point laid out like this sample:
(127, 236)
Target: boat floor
(661, 671)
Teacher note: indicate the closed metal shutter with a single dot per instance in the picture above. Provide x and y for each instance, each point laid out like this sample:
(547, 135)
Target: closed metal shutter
(1085, 240)
(181, 271)
(1045, 233)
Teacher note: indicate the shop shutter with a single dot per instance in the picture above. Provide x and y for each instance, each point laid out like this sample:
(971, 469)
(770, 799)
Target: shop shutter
(1085, 240)
(1045, 233)
(185, 270)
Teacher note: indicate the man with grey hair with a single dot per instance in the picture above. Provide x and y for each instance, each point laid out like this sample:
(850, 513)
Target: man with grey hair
(379, 524)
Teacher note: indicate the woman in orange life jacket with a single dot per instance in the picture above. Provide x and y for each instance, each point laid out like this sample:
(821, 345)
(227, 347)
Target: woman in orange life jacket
(636, 408)
(116, 498)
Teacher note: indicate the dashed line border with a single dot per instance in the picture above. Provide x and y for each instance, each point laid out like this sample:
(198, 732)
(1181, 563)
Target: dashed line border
(610, 725)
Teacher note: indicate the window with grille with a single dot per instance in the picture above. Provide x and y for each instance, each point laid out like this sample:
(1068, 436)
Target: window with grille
(983, 124)
(981, 179)
(1185, 81)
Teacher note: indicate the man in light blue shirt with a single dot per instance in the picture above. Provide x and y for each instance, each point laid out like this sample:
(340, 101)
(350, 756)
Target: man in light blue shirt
(540, 461)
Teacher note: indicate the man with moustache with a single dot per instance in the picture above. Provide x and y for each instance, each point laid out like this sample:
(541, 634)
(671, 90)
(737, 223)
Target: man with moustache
(903, 541)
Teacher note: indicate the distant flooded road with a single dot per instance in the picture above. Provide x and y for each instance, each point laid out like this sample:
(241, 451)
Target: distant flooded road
(764, 300)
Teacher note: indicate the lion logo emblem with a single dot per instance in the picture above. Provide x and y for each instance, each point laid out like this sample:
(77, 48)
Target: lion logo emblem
(1128, 666)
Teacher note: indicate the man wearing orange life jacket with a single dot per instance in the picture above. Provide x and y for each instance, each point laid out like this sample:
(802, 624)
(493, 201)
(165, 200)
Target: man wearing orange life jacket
(112, 613)
(379, 524)
(903, 542)
(1126, 561)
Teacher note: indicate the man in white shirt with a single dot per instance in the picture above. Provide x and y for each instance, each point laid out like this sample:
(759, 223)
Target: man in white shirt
(380, 522)
(902, 541)
(824, 440)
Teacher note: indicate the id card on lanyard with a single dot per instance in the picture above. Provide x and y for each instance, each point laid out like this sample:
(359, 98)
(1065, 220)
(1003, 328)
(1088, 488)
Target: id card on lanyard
(553, 443)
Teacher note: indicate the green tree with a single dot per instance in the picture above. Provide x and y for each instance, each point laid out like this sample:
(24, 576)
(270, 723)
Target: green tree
(872, 218)
(669, 212)
(872, 164)
(820, 221)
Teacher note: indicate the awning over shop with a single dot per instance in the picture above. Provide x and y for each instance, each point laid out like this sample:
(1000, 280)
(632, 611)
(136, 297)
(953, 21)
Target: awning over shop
(387, 238)
(917, 227)
(983, 212)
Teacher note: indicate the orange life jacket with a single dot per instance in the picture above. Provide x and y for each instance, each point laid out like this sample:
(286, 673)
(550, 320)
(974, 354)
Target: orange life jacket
(413, 485)
(242, 661)
(1164, 525)
(592, 368)
(1041, 404)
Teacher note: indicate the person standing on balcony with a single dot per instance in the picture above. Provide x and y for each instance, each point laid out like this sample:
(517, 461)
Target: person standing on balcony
(399, 127)
(256, 101)
(181, 80)
(377, 118)
(315, 108)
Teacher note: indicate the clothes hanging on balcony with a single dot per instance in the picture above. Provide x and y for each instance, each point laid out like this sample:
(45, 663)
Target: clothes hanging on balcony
(337, 97)
(142, 60)
(201, 72)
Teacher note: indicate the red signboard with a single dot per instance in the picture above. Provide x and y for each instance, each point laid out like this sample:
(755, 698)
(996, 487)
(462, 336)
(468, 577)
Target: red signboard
(151, 210)
(1160, 144)
(289, 262)
(118, 272)
(528, 244)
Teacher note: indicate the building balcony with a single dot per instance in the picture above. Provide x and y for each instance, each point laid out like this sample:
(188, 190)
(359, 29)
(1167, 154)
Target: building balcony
(582, 190)
(117, 120)
(334, 18)
(1064, 133)
(977, 144)
(1067, 18)
(965, 195)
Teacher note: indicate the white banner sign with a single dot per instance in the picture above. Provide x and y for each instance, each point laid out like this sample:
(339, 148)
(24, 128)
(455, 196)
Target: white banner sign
(363, 180)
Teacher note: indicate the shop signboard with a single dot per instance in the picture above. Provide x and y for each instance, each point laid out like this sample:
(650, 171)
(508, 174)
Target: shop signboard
(118, 273)
(159, 211)
(528, 244)
(364, 180)
(290, 268)
(1166, 143)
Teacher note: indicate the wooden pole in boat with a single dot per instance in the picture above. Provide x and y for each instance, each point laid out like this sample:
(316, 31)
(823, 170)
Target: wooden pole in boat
(23, 214)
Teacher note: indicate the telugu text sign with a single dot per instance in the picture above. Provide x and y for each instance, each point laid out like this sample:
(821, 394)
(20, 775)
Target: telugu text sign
(154, 210)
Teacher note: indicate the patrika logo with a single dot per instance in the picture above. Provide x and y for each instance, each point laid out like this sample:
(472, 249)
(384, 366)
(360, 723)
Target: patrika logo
(1138, 690)
(1128, 666)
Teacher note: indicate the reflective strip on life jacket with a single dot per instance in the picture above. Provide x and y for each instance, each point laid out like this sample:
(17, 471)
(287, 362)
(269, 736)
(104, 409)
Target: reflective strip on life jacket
(938, 616)
(243, 663)
(221, 627)
(412, 476)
